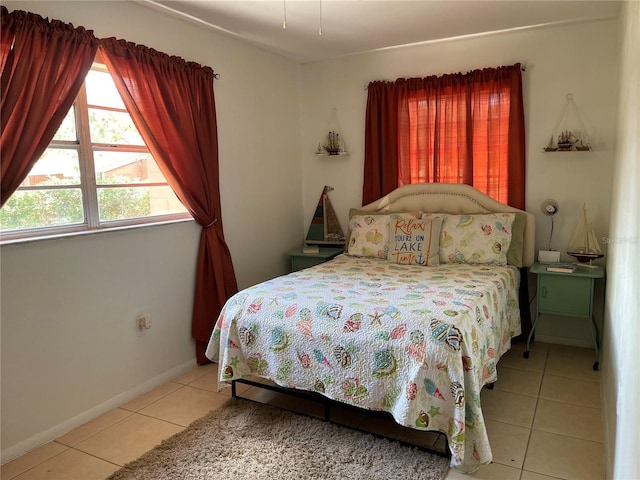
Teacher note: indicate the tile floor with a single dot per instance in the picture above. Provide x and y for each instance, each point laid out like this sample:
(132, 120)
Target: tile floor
(543, 420)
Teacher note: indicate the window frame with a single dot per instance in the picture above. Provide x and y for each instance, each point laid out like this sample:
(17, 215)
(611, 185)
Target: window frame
(88, 185)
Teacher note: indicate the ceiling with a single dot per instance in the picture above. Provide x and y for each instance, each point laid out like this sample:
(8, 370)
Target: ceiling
(357, 26)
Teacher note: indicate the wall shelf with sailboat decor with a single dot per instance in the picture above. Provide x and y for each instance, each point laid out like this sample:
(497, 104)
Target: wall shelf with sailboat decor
(333, 146)
(334, 155)
(569, 140)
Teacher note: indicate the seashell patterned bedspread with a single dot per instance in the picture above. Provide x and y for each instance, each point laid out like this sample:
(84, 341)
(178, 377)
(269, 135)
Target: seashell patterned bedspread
(418, 342)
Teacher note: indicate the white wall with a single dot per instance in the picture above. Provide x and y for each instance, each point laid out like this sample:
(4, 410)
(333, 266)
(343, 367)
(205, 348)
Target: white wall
(69, 347)
(620, 379)
(581, 59)
(69, 340)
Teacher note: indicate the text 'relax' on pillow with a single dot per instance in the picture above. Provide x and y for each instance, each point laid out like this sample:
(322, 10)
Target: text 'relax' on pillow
(414, 241)
(369, 235)
(476, 238)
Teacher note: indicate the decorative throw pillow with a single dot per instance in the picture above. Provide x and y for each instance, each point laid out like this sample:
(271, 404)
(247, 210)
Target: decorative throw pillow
(475, 238)
(369, 235)
(414, 241)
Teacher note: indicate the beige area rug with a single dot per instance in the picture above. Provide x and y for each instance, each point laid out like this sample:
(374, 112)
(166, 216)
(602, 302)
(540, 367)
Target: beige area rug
(248, 440)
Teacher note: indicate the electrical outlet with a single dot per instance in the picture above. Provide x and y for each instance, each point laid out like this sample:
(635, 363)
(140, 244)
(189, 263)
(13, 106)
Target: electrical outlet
(144, 323)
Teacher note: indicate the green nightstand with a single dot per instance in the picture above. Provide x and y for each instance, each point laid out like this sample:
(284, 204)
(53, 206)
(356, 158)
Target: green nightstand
(300, 260)
(568, 294)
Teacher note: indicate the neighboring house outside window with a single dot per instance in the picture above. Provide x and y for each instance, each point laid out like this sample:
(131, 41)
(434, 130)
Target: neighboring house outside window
(96, 173)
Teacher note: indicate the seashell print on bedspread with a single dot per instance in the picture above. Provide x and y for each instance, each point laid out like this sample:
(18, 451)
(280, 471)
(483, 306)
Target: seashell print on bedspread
(418, 342)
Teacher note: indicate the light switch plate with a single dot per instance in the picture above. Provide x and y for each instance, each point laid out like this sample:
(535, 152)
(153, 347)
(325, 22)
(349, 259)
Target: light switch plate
(548, 256)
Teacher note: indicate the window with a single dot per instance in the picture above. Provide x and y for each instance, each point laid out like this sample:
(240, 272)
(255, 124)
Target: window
(457, 128)
(96, 173)
(458, 137)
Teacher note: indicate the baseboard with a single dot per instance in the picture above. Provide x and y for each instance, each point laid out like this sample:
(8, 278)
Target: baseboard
(14, 451)
(572, 342)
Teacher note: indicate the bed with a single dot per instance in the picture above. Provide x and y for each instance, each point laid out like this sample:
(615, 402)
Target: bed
(411, 319)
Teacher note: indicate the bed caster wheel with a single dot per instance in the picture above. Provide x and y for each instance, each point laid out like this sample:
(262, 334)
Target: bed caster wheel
(595, 366)
(526, 354)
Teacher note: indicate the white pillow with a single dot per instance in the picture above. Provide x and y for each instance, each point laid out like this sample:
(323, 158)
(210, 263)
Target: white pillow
(475, 238)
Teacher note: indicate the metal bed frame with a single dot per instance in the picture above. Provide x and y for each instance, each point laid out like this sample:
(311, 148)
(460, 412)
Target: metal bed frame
(327, 403)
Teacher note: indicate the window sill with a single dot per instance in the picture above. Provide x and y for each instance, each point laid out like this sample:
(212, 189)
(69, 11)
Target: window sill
(55, 236)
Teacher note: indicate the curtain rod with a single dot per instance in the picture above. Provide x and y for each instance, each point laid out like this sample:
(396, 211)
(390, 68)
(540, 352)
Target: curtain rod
(523, 68)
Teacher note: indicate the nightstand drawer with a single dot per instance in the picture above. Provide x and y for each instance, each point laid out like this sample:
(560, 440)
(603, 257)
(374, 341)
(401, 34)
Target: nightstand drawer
(565, 295)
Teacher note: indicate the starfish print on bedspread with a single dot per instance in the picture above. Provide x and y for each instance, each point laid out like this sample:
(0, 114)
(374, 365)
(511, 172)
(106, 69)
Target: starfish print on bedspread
(375, 318)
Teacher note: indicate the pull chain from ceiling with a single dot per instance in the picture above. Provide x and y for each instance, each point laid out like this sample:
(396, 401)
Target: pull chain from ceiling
(284, 15)
(284, 8)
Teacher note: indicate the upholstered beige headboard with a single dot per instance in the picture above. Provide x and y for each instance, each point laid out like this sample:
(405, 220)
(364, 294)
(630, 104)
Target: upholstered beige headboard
(453, 199)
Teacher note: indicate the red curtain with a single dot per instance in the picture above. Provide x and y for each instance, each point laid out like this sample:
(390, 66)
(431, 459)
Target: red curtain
(43, 66)
(171, 101)
(460, 128)
(380, 142)
(6, 38)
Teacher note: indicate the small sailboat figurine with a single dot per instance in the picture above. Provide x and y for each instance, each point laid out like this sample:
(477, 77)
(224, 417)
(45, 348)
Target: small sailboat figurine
(325, 228)
(552, 146)
(584, 245)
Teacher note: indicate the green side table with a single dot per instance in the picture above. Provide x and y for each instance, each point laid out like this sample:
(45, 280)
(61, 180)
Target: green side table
(569, 294)
(300, 260)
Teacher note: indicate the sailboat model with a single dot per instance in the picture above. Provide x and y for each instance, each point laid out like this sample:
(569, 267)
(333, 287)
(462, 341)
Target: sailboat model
(325, 228)
(584, 245)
